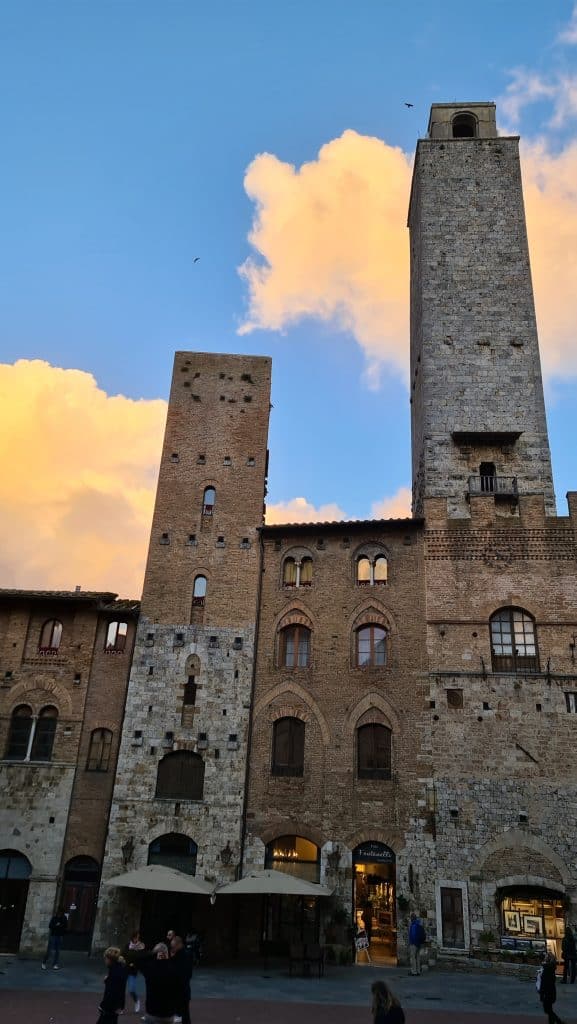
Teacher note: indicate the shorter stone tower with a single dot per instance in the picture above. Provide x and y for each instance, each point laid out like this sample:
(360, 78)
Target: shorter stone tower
(478, 414)
(179, 793)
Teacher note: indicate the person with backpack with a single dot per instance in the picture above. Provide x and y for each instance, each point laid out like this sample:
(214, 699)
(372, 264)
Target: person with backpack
(547, 989)
(417, 938)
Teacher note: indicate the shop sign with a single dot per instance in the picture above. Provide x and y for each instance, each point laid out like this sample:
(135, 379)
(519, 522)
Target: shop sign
(374, 853)
(362, 941)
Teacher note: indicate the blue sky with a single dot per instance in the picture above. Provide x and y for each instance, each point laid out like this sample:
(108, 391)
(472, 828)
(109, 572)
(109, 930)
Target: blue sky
(127, 131)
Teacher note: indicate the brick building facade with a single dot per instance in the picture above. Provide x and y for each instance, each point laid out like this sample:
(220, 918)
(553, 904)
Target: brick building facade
(388, 706)
(64, 664)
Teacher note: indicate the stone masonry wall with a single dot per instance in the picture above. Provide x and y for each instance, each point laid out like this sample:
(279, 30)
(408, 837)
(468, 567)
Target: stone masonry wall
(474, 353)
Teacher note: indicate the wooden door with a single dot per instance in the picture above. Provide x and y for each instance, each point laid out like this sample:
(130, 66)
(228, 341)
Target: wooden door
(452, 918)
(13, 896)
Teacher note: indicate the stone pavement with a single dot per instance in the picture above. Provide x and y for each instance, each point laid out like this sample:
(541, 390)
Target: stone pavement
(252, 995)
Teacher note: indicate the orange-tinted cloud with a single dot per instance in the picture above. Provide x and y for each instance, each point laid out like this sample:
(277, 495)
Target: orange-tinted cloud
(299, 510)
(78, 481)
(396, 507)
(334, 245)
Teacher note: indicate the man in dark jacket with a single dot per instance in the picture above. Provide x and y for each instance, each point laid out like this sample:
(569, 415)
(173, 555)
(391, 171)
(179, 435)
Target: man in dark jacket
(569, 947)
(162, 989)
(183, 967)
(57, 927)
(548, 990)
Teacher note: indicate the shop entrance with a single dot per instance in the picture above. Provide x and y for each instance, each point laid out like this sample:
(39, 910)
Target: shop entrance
(532, 918)
(374, 875)
(15, 871)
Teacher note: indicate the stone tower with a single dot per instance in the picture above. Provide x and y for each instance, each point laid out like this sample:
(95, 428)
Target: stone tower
(179, 793)
(478, 414)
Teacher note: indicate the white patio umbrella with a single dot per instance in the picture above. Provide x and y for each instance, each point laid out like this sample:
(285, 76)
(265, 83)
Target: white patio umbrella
(156, 878)
(270, 882)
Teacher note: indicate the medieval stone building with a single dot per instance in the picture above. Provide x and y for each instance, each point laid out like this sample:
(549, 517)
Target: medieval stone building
(389, 707)
(64, 665)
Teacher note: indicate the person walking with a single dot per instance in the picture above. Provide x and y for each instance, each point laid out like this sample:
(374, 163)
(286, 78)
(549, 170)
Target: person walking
(161, 978)
(569, 948)
(57, 928)
(183, 967)
(386, 1007)
(135, 946)
(417, 938)
(548, 990)
(114, 987)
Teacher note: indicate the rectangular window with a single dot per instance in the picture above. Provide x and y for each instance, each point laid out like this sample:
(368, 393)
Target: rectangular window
(452, 918)
(571, 702)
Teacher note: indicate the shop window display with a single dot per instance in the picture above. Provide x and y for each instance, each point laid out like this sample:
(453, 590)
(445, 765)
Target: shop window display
(374, 900)
(532, 920)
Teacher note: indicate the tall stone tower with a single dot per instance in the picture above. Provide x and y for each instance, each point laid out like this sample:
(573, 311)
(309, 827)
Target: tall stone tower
(179, 794)
(478, 414)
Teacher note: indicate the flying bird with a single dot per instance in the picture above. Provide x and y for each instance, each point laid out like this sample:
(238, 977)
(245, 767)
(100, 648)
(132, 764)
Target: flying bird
(409, 104)
(196, 259)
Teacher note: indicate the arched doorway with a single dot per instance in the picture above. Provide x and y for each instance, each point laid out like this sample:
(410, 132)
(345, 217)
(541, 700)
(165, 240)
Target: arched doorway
(289, 919)
(162, 911)
(374, 902)
(15, 871)
(79, 898)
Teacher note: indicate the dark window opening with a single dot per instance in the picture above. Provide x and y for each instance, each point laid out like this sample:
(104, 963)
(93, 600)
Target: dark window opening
(464, 126)
(174, 851)
(288, 747)
(488, 473)
(180, 776)
(455, 698)
(513, 641)
(374, 752)
(44, 734)
(19, 736)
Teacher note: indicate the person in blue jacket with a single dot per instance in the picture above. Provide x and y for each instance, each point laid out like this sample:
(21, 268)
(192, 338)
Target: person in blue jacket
(417, 937)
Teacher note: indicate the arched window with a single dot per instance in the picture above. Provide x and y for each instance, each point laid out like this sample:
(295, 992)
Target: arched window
(295, 856)
(380, 570)
(306, 573)
(208, 501)
(50, 637)
(513, 641)
(44, 734)
(174, 851)
(116, 636)
(364, 572)
(14, 865)
(180, 776)
(371, 571)
(199, 592)
(297, 572)
(374, 752)
(289, 573)
(288, 746)
(464, 126)
(371, 646)
(99, 750)
(20, 731)
(295, 646)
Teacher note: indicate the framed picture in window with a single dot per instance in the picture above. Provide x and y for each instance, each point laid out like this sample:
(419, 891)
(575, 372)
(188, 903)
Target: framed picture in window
(560, 928)
(532, 925)
(512, 921)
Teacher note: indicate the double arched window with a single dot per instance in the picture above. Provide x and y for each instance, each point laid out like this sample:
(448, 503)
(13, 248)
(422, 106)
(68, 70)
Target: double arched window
(116, 637)
(370, 646)
(513, 641)
(99, 750)
(180, 776)
(297, 572)
(31, 737)
(372, 571)
(374, 749)
(288, 747)
(295, 646)
(50, 637)
(208, 501)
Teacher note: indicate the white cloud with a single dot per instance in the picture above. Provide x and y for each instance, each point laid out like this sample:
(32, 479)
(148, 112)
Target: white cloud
(569, 34)
(396, 507)
(78, 480)
(299, 510)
